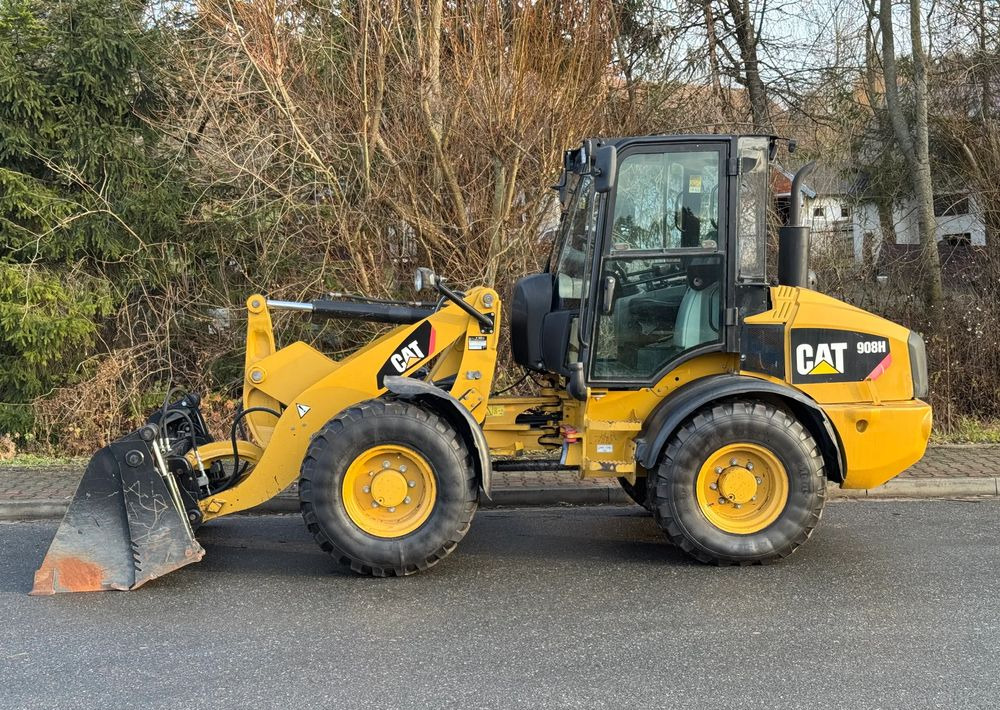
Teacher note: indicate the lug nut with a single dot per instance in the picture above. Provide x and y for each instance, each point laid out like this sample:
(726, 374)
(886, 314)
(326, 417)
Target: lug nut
(406, 499)
(402, 468)
(759, 480)
(732, 462)
(374, 503)
(753, 499)
(385, 464)
(737, 506)
(411, 484)
(718, 469)
(749, 465)
(392, 509)
(714, 486)
(722, 500)
(367, 489)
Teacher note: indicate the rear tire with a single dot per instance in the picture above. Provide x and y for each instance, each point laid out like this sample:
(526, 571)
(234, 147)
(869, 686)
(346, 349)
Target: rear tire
(757, 458)
(383, 450)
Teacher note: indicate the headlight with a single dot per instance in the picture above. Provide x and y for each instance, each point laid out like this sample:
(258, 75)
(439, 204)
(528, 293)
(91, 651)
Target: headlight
(424, 278)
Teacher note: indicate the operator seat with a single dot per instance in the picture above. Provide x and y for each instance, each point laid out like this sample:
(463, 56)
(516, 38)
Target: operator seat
(698, 318)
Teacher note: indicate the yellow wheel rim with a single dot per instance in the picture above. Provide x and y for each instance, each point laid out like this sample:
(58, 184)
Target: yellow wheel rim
(742, 488)
(389, 490)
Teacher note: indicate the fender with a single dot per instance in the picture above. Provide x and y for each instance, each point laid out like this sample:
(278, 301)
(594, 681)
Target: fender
(678, 406)
(451, 409)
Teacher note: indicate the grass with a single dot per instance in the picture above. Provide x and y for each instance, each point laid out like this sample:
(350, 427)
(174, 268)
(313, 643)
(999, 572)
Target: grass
(968, 430)
(23, 460)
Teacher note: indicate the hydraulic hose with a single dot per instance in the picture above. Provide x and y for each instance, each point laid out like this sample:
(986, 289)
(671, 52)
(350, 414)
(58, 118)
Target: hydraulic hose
(232, 438)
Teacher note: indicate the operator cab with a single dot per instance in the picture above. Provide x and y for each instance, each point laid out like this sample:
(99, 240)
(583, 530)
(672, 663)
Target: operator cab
(660, 255)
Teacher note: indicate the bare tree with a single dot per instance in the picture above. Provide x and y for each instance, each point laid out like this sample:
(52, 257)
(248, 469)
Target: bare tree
(733, 28)
(913, 140)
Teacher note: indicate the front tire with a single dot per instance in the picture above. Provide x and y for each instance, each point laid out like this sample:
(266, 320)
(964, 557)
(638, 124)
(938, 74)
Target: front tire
(740, 483)
(388, 488)
(636, 491)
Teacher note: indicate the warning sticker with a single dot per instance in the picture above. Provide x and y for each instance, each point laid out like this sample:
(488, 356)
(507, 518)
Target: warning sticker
(694, 184)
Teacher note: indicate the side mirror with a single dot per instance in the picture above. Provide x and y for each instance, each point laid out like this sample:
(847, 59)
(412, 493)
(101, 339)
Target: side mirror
(608, 296)
(605, 168)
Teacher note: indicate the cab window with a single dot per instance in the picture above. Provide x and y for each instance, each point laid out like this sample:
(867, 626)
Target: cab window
(667, 201)
(571, 267)
(663, 268)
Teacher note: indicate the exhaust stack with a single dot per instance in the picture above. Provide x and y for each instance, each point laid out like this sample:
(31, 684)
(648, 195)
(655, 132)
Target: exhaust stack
(793, 238)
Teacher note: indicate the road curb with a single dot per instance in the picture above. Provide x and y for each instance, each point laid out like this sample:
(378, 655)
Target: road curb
(925, 488)
(32, 509)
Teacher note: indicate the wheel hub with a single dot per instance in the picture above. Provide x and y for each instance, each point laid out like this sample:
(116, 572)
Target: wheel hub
(389, 488)
(737, 485)
(742, 488)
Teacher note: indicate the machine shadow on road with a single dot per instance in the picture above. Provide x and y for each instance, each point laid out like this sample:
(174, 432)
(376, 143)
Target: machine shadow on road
(279, 547)
(606, 533)
(612, 534)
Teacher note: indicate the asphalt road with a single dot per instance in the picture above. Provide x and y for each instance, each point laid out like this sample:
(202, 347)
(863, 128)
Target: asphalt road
(889, 605)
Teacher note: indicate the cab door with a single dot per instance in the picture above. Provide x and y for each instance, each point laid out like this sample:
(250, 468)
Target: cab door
(661, 295)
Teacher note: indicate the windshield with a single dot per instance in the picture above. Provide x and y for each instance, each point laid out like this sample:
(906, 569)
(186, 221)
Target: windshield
(667, 200)
(570, 258)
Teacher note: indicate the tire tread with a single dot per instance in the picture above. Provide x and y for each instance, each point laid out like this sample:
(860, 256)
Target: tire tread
(708, 416)
(357, 413)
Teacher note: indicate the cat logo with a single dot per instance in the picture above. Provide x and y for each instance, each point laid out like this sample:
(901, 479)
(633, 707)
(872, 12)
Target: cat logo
(414, 348)
(830, 355)
(823, 359)
(410, 351)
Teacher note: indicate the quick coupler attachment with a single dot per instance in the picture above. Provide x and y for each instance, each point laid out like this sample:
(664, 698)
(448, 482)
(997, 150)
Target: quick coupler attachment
(125, 526)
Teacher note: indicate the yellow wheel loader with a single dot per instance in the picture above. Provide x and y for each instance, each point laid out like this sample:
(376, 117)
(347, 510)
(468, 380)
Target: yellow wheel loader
(663, 356)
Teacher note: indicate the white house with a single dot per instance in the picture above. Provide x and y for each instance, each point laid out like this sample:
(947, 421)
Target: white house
(843, 218)
(959, 222)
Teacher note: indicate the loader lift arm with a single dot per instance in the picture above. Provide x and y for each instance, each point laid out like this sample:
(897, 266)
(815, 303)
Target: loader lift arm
(308, 388)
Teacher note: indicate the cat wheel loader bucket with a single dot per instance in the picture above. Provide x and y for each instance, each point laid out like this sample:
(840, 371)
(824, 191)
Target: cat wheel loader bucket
(124, 527)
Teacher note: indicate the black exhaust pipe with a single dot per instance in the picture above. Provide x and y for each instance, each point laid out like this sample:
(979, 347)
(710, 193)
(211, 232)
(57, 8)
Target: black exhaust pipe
(793, 238)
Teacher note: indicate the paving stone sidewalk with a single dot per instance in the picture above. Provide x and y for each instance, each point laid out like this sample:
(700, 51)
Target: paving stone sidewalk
(960, 465)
